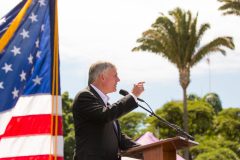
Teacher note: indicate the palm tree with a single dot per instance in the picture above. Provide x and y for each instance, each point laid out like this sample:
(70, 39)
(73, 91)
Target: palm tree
(230, 7)
(177, 39)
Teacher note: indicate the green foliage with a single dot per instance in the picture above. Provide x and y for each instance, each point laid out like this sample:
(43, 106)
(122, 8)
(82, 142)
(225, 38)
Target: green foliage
(233, 113)
(230, 7)
(200, 114)
(209, 144)
(200, 117)
(68, 127)
(218, 154)
(132, 124)
(69, 144)
(214, 100)
(227, 124)
(172, 112)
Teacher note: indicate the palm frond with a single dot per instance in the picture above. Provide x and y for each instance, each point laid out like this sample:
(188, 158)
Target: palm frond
(192, 40)
(151, 41)
(226, 1)
(182, 26)
(203, 28)
(213, 46)
(237, 13)
(161, 39)
(177, 39)
(165, 25)
(230, 7)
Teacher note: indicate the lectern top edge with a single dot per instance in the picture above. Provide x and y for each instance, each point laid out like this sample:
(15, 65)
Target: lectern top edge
(174, 143)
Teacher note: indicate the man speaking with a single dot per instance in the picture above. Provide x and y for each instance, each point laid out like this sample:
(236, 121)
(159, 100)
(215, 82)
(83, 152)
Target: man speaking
(97, 131)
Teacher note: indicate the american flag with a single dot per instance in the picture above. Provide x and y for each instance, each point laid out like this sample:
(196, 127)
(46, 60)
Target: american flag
(30, 101)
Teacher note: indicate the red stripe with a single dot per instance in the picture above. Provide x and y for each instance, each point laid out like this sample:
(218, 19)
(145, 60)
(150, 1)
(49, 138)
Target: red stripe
(31, 125)
(40, 157)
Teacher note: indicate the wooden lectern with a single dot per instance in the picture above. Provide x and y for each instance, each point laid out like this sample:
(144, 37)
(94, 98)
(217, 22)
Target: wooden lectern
(162, 150)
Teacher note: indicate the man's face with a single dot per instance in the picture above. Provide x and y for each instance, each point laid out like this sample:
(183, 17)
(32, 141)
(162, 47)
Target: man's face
(110, 80)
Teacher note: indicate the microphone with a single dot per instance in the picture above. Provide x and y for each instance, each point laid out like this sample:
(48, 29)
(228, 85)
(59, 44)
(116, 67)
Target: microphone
(124, 93)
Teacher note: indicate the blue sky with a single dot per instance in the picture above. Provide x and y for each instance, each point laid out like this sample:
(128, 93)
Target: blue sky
(92, 30)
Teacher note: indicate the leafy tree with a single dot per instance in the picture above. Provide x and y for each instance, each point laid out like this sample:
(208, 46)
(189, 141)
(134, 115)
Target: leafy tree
(177, 39)
(172, 112)
(230, 7)
(68, 127)
(132, 124)
(200, 118)
(214, 100)
(227, 124)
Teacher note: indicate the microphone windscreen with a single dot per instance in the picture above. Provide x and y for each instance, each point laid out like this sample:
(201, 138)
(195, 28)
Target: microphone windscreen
(123, 92)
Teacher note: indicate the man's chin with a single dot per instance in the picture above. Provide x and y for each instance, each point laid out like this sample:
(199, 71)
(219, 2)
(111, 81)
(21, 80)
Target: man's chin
(114, 90)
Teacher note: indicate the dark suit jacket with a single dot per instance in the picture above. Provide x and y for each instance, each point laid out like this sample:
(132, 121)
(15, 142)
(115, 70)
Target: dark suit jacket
(96, 137)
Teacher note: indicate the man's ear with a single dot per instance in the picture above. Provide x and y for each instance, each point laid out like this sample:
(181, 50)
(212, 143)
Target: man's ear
(102, 77)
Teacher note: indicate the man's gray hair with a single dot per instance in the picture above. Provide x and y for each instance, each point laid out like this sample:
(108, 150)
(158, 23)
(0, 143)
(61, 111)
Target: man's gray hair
(98, 68)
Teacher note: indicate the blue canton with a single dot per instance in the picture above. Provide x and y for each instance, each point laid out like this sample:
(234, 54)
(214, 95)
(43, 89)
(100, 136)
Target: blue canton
(26, 61)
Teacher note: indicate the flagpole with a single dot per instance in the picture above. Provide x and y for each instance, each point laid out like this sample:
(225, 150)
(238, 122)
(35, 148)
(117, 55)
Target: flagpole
(14, 26)
(57, 71)
(55, 89)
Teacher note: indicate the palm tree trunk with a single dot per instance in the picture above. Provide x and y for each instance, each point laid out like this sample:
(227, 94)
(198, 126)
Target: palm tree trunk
(185, 119)
(185, 111)
(184, 74)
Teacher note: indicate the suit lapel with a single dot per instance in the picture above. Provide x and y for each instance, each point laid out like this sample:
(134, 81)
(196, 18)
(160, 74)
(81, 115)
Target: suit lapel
(92, 90)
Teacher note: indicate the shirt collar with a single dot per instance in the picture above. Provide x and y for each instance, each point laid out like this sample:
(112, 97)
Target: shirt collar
(104, 97)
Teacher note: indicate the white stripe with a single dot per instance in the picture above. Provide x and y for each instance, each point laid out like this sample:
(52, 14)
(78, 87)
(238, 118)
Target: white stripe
(30, 105)
(29, 146)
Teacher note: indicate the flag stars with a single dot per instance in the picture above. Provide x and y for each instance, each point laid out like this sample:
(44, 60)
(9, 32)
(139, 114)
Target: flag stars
(33, 17)
(30, 59)
(16, 50)
(15, 93)
(37, 80)
(2, 21)
(38, 54)
(1, 85)
(7, 67)
(41, 2)
(24, 34)
(23, 76)
(37, 43)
